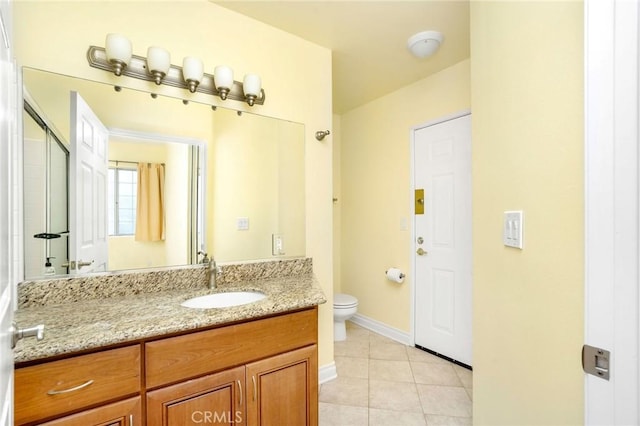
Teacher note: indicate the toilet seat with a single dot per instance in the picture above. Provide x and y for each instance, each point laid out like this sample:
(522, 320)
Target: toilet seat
(344, 301)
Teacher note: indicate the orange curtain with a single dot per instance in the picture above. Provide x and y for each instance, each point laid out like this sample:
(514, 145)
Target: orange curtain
(150, 204)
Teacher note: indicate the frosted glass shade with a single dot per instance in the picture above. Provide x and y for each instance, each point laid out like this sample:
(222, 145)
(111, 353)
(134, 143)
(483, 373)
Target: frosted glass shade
(118, 50)
(223, 77)
(192, 72)
(251, 85)
(158, 62)
(192, 68)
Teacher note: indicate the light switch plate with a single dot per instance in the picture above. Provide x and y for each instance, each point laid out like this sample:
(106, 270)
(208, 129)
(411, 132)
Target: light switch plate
(242, 223)
(512, 229)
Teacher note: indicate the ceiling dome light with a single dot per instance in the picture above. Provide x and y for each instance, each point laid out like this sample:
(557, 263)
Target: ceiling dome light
(425, 43)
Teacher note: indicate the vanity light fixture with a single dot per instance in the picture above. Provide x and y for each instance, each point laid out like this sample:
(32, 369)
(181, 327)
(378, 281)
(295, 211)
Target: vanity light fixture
(118, 51)
(159, 62)
(425, 43)
(192, 72)
(251, 86)
(223, 79)
(158, 68)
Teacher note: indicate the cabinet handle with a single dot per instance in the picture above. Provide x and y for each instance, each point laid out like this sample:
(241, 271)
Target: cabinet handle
(58, 392)
(130, 419)
(255, 388)
(240, 386)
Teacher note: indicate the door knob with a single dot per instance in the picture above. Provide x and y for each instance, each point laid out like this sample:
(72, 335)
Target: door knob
(421, 251)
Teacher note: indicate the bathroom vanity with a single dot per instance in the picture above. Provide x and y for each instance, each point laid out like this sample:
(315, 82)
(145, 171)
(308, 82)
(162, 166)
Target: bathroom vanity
(145, 359)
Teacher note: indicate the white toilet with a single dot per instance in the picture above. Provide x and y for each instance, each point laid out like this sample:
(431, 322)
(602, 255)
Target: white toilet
(344, 307)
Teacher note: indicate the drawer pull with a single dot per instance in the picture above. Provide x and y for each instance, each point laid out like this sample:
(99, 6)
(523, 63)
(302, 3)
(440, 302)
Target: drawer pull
(82, 386)
(240, 392)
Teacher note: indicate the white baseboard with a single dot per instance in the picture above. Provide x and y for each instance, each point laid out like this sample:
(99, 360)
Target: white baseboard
(327, 372)
(383, 329)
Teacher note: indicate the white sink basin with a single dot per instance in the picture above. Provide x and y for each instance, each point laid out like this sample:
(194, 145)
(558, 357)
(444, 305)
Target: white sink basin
(224, 300)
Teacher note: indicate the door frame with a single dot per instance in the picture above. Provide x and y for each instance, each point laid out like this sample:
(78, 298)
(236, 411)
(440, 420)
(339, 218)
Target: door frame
(412, 245)
(612, 259)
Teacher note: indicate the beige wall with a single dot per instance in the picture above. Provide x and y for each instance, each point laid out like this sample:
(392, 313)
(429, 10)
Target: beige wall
(296, 76)
(527, 100)
(375, 187)
(271, 196)
(336, 133)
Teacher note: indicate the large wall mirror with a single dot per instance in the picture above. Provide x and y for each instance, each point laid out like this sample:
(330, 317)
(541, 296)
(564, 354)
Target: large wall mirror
(232, 183)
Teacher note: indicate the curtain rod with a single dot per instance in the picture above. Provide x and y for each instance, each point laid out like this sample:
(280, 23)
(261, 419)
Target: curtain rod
(128, 162)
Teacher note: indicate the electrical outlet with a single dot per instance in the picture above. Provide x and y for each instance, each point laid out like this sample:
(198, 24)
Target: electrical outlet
(277, 245)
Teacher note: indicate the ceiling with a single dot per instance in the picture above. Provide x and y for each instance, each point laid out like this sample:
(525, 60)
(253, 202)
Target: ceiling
(368, 39)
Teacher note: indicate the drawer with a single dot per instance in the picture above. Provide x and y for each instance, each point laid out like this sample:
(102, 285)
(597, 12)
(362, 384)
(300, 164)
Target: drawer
(179, 358)
(58, 387)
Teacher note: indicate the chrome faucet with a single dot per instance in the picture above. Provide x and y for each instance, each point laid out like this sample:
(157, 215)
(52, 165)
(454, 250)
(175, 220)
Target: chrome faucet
(212, 269)
(213, 273)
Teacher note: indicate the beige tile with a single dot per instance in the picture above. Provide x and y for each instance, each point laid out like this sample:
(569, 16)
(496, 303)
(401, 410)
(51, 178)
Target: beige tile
(433, 420)
(445, 400)
(392, 351)
(352, 348)
(419, 355)
(470, 393)
(465, 375)
(350, 324)
(346, 391)
(355, 332)
(352, 367)
(435, 374)
(392, 371)
(377, 338)
(378, 417)
(342, 415)
(394, 396)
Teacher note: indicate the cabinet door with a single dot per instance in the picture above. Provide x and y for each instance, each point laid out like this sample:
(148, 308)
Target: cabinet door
(283, 390)
(215, 399)
(123, 413)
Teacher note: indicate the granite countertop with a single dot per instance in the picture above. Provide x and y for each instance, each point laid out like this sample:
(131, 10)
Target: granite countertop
(90, 324)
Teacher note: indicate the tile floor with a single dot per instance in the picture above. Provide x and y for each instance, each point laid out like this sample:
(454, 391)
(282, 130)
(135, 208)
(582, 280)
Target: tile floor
(384, 383)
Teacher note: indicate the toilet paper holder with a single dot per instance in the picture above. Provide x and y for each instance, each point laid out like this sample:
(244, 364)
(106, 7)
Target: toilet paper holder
(402, 275)
(395, 275)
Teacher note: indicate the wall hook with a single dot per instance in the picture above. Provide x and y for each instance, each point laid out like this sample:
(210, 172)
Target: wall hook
(320, 134)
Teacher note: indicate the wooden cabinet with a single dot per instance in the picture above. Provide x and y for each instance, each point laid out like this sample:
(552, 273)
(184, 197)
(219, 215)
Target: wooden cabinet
(260, 372)
(213, 399)
(284, 389)
(279, 390)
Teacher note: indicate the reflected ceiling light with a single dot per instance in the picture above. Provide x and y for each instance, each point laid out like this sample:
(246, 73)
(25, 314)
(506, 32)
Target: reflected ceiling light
(251, 85)
(116, 57)
(192, 72)
(159, 62)
(223, 79)
(425, 43)
(118, 49)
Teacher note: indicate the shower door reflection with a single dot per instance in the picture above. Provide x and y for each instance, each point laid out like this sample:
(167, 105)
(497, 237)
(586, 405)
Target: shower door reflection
(46, 195)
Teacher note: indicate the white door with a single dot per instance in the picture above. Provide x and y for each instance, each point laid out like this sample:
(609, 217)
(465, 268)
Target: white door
(88, 189)
(8, 152)
(612, 299)
(442, 259)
